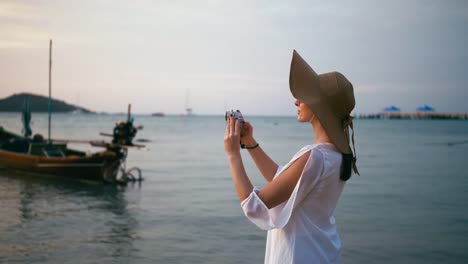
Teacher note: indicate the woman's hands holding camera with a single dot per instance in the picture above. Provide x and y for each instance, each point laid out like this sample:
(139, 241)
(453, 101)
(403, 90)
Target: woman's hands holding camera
(234, 136)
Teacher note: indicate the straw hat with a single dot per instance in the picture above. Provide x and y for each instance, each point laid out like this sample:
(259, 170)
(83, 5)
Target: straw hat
(330, 96)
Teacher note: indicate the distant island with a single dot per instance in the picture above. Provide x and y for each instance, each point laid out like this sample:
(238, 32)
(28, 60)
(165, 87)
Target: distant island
(38, 103)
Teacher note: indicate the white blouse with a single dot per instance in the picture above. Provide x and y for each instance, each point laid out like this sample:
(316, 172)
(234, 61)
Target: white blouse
(302, 229)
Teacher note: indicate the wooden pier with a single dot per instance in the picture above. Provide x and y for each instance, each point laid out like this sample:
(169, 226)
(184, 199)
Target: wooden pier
(417, 115)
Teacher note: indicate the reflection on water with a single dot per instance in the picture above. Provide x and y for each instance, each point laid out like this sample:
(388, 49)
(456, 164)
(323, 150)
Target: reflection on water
(44, 218)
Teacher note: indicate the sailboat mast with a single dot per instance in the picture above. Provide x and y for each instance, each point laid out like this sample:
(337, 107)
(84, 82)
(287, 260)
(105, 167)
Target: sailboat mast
(186, 99)
(50, 86)
(188, 109)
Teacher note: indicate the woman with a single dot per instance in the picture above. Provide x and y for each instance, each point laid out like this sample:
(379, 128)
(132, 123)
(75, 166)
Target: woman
(297, 204)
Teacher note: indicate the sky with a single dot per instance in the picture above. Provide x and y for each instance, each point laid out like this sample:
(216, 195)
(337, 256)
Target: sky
(215, 55)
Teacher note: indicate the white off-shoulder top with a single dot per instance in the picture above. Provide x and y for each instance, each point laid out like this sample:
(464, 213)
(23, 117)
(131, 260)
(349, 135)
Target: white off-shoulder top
(302, 229)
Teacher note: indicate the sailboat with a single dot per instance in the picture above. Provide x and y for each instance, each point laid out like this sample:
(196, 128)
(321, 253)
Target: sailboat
(188, 109)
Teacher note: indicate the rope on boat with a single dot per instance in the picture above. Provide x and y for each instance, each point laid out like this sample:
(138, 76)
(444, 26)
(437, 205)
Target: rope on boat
(117, 172)
(131, 175)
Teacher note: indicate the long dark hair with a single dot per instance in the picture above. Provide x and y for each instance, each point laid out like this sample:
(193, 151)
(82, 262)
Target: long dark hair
(346, 167)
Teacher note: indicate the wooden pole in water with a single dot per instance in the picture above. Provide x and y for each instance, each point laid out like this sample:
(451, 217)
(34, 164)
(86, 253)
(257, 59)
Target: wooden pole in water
(50, 86)
(129, 112)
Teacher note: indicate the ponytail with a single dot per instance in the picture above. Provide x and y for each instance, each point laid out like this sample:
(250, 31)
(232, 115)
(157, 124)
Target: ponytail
(346, 167)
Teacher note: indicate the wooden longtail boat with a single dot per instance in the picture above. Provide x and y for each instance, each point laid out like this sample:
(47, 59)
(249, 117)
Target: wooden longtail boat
(40, 157)
(53, 157)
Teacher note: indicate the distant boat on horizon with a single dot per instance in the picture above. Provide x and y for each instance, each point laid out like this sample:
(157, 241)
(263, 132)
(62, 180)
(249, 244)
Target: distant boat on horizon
(188, 112)
(77, 111)
(158, 114)
(188, 109)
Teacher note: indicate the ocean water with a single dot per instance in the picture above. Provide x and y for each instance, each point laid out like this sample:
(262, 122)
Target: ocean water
(410, 204)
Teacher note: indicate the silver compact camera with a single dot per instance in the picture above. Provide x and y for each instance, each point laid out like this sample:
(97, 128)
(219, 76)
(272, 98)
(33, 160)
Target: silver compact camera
(237, 115)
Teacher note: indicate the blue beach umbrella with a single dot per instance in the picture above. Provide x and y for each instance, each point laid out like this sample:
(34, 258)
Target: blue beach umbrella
(391, 108)
(425, 108)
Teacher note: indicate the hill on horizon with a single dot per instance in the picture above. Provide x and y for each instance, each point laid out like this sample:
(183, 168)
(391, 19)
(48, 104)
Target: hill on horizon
(38, 103)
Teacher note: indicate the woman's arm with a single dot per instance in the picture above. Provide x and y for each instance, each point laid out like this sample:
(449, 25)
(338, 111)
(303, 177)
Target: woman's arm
(279, 190)
(240, 179)
(276, 191)
(264, 163)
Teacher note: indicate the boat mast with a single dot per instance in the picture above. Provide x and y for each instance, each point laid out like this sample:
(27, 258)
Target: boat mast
(188, 109)
(50, 86)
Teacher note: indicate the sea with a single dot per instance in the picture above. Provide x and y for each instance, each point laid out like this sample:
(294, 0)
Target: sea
(410, 204)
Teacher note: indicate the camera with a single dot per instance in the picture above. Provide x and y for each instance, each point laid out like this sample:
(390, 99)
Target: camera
(237, 115)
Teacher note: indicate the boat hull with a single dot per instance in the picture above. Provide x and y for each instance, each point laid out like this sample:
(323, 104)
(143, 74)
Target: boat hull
(96, 167)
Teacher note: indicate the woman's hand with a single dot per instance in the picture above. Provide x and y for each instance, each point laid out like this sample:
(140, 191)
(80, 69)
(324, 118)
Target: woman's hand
(247, 135)
(232, 147)
(232, 137)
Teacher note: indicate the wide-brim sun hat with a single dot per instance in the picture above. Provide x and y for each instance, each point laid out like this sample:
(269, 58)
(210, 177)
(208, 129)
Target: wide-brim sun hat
(330, 96)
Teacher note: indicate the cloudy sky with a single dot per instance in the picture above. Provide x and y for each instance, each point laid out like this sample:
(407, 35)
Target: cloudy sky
(234, 54)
